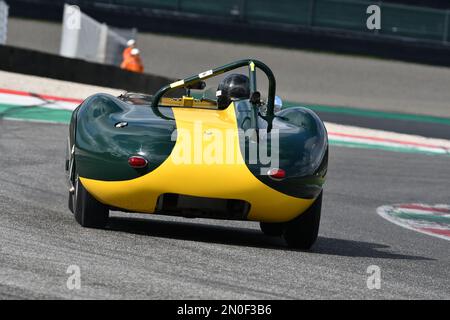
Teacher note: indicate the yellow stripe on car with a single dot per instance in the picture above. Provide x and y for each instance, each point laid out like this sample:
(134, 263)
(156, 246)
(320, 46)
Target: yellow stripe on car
(226, 180)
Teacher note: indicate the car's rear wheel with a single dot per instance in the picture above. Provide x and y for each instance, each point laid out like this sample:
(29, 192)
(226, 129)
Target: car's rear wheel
(70, 202)
(69, 167)
(272, 229)
(89, 212)
(301, 232)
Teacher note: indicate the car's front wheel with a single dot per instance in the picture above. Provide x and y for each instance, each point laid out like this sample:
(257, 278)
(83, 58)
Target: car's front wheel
(89, 212)
(301, 232)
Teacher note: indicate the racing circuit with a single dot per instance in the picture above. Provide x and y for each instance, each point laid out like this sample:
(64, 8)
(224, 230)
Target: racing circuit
(389, 161)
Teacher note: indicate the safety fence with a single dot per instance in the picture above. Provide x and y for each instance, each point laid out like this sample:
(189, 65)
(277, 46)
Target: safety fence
(346, 15)
(85, 38)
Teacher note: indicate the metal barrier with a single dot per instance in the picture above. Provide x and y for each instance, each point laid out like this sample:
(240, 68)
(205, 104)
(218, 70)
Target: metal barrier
(347, 15)
(20, 60)
(3, 22)
(85, 38)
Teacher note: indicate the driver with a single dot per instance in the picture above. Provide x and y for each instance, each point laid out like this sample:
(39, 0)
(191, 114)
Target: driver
(233, 87)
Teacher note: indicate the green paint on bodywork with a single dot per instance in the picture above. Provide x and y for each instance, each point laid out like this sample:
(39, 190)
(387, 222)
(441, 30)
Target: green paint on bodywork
(34, 113)
(301, 149)
(102, 150)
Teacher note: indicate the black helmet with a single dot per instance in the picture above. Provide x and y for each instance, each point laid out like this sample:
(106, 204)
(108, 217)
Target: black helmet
(233, 87)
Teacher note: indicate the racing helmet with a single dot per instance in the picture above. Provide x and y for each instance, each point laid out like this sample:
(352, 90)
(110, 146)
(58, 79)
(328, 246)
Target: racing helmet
(233, 87)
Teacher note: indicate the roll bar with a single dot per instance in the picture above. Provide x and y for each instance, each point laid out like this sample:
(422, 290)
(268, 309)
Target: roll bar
(251, 63)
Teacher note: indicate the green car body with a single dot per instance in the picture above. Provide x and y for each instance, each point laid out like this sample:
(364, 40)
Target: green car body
(106, 132)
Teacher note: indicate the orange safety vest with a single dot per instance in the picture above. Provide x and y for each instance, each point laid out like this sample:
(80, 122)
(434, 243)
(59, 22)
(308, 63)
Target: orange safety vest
(127, 53)
(133, 63)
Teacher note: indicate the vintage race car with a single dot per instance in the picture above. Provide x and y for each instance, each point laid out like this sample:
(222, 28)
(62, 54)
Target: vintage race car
(200, 154)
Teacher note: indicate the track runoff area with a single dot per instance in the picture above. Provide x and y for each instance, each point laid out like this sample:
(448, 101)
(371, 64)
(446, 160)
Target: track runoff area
(430, 219)
(27, 106)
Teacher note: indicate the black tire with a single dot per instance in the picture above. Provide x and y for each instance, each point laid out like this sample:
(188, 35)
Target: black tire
(89, 212)
(272, 229)
(301, 233)
(70, 202)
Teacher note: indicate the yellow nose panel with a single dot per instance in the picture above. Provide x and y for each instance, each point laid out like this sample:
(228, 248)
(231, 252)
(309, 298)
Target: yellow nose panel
(206, 162)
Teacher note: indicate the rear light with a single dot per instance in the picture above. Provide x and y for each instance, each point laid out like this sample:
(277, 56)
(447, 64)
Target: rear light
(276, 173)
(137, 162)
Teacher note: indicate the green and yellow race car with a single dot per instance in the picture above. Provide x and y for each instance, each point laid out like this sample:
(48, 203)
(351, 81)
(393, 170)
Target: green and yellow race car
(195, 152)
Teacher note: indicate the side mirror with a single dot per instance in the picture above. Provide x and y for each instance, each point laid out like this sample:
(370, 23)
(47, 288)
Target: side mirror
(278, 104)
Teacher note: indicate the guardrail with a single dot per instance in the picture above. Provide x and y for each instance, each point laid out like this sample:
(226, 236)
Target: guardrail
(47, 65)
(347, 15)
(408, 33)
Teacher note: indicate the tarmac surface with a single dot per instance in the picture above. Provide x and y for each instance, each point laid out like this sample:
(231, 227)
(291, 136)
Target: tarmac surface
(144, 256)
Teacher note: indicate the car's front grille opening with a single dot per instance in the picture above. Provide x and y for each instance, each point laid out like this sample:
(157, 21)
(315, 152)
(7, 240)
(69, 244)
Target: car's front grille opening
(201, 207)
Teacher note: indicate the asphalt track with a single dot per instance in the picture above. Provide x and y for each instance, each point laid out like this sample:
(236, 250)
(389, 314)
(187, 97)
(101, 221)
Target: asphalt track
(154, 257)
(302, 76)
